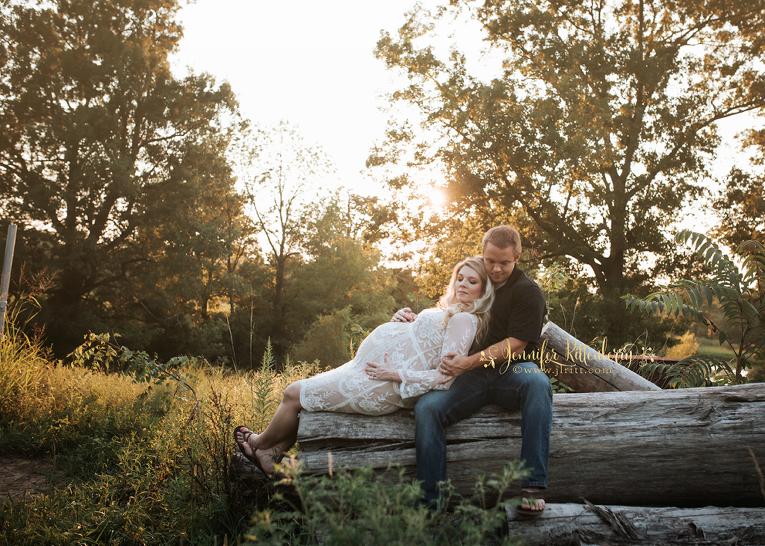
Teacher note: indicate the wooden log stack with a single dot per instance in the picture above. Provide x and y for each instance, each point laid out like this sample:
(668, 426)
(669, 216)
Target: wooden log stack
(685, 447)
(618, 440)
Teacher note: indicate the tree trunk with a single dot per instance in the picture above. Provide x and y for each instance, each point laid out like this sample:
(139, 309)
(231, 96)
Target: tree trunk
(277, 324)
(685, 447)
(568, 524)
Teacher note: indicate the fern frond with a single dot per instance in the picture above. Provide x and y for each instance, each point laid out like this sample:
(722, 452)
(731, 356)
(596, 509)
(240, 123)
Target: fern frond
(649, 367)
(694, 371)
(725, 271)
(690, 372)
(741, 295)
(670, 303)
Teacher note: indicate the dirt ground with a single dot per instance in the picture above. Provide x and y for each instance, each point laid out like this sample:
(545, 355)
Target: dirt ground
(20, 477)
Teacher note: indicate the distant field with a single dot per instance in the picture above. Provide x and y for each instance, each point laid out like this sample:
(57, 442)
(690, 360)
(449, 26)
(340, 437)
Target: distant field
(711, 348)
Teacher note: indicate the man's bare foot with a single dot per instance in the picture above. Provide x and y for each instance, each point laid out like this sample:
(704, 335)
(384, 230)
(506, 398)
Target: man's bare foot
(532, 501)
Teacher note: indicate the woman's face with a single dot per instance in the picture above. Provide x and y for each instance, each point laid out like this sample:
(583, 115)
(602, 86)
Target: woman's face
(468, 285)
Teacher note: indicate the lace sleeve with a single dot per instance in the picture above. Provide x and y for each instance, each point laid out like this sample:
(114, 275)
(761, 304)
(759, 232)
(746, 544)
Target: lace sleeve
(458, 338)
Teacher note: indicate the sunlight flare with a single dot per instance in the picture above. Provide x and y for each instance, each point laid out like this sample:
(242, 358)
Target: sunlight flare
(438, 198)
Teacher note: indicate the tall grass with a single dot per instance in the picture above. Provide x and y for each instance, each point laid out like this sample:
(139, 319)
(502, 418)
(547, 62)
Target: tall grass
(144, 463)
(150, 463)
(22, 365)
(21, 369)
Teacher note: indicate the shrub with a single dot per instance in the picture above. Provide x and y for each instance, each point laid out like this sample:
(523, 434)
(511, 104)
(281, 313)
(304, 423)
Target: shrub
(363, 507)
(688, 346)
(740, 291)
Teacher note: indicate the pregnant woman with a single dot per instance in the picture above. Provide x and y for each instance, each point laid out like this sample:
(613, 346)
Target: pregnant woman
(394, 365)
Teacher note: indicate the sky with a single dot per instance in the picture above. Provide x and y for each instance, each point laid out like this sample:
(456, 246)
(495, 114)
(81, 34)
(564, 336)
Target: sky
(312, 64)
(307, 62)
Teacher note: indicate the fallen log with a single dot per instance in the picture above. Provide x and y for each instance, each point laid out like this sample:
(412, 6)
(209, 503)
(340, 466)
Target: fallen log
(581, 367)
(684, 447)
(565, 524)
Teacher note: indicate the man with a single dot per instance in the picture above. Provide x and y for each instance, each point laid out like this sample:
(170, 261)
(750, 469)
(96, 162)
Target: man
(500, 374)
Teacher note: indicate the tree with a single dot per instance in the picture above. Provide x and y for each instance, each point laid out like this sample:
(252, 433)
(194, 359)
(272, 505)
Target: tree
(101, 145)
(277, 169)
(741, 203)
(340, 269)
(340, 284)
(741, 208)
(327, 340)
(333, 286)
(600, 126)
(180, 296)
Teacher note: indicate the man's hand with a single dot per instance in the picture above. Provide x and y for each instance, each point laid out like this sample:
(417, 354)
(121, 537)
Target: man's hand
(404, 315)
(454, 364)
(383, 372)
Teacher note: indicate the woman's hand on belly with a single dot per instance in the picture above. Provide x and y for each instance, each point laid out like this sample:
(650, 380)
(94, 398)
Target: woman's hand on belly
(382, 372)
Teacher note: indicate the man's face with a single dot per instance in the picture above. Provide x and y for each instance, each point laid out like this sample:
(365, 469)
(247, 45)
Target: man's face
(499, 262)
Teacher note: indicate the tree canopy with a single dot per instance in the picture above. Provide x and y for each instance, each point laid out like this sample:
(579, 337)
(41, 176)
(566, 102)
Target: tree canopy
(741, 202)
(122, 177)
(601, 125)
(595, 131)
(106, 159)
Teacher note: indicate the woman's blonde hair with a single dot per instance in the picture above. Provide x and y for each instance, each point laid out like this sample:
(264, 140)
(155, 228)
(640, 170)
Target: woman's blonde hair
(480, 307)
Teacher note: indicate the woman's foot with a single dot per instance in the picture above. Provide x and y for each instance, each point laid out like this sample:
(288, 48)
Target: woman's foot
(267, 458)
(242, 437)
(246, 440)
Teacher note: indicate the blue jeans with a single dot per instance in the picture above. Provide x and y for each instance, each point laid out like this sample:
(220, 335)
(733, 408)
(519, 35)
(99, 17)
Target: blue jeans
(523, 387)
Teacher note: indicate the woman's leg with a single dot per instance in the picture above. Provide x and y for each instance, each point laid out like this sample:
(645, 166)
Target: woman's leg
(279, 436)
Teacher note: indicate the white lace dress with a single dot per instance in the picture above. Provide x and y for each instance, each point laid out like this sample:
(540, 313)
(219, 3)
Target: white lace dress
(415, 349)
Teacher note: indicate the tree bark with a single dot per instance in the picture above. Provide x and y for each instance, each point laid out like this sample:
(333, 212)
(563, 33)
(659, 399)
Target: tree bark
(567, 524)
(685, 447)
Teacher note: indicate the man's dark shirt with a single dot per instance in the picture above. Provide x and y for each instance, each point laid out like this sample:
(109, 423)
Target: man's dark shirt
(517, 311)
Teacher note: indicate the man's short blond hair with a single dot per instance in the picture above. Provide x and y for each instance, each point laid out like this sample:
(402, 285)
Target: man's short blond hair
(503, 237)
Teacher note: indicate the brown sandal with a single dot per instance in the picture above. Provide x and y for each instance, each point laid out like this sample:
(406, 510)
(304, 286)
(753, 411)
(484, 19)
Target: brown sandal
(253, 460)
(531, 498)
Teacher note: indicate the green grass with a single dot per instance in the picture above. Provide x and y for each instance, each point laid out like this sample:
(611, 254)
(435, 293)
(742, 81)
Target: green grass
(148, 463)
(712, 348)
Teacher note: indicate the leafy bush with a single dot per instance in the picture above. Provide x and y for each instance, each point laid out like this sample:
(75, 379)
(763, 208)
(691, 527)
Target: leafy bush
(363, 507)
(328, 339)
(688, 346)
